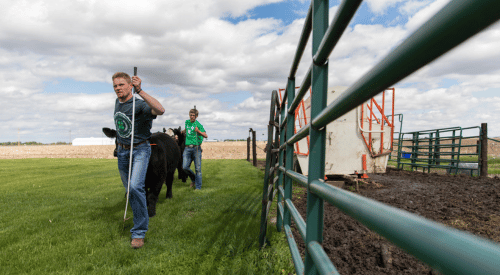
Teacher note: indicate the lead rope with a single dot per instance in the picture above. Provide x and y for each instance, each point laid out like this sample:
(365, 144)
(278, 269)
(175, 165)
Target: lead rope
(131, 149)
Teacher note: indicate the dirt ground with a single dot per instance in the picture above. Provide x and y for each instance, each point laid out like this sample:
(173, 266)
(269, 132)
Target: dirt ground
(211, 150)
(462, 202)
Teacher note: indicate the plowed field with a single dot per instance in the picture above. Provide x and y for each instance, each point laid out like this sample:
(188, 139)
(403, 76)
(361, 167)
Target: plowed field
(211, 150)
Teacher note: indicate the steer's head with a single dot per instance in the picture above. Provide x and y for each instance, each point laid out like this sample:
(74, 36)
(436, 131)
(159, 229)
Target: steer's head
(111, 133)
(179, 137)
(169, 132)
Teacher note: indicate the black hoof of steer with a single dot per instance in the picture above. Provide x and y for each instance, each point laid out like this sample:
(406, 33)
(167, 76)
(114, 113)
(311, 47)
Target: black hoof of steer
(151, 214)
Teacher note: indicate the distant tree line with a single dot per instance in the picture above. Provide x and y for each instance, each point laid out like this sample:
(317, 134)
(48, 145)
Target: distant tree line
(11, 143)
(235, 140)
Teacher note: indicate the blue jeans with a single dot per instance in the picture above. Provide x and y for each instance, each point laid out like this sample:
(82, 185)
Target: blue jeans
(188, 156)
(137, 199)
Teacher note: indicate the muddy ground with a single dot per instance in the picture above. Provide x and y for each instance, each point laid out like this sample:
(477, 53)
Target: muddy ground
(463, 202)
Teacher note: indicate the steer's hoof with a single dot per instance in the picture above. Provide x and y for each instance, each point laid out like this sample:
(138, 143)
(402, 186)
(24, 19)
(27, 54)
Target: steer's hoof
(151, 213)
(169, 196)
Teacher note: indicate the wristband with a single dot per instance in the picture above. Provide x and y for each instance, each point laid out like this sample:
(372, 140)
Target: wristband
(138, 91)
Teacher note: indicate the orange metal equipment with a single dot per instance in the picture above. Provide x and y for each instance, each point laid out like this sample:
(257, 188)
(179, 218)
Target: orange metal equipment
(300, 121)
(355, 142)
(371, 117)
(364, 175)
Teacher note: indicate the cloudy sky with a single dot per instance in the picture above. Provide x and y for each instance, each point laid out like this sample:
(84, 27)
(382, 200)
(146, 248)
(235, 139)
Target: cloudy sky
(224, 56)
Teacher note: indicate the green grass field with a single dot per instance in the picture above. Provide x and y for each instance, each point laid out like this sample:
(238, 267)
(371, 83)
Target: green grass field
(65, 216)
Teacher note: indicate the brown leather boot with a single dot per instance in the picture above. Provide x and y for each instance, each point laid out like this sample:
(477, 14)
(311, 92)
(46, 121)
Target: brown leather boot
(137, 243)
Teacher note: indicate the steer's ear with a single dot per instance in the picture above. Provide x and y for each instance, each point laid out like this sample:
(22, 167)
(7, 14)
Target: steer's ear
(111, 133)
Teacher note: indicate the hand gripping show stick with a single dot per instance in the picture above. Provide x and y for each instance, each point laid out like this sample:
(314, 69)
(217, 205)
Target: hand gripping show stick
(131, 148)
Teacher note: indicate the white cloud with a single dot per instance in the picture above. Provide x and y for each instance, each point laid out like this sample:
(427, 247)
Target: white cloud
(424, 14)
(412, 6)
(472, 64)
(359, 50)
(186, 53)
(445, 107)
(379, 6)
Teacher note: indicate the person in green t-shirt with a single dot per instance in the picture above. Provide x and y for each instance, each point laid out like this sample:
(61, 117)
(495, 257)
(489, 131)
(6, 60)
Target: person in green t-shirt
(194, 137)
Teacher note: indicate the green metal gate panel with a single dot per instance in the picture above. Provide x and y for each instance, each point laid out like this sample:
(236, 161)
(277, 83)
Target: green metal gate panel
(439, 148)
(447, 250)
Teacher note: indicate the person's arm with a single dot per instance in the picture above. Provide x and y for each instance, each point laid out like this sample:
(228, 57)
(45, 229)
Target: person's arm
(156, 107)
(203, 134)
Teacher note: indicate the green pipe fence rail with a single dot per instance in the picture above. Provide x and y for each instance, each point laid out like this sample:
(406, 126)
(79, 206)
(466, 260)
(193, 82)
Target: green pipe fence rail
(440, 148)
(447, 250)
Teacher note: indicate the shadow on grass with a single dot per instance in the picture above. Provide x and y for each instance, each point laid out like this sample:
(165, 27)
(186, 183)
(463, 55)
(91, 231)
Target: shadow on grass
(234, 234)
(112, 217)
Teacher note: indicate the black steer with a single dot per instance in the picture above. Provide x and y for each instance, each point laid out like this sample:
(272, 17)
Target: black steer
(165, 155)
(181, 140)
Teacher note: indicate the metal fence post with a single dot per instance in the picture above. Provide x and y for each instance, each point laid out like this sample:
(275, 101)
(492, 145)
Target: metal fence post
(437, 149)
(431, 155)
(275, 160)
(254, 148)
(289, 150)
(459, 147)
(453, 143)
(400, 149)
(319, 83)
(282, 138)
(483, 156)
(267, 172)
(414, 150)
(248, 149)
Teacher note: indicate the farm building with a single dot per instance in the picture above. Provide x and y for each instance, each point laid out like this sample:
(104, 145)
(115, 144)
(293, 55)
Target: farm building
(93, 141)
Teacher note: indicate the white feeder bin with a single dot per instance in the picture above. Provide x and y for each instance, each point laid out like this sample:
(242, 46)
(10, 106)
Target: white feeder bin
(359, 142)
